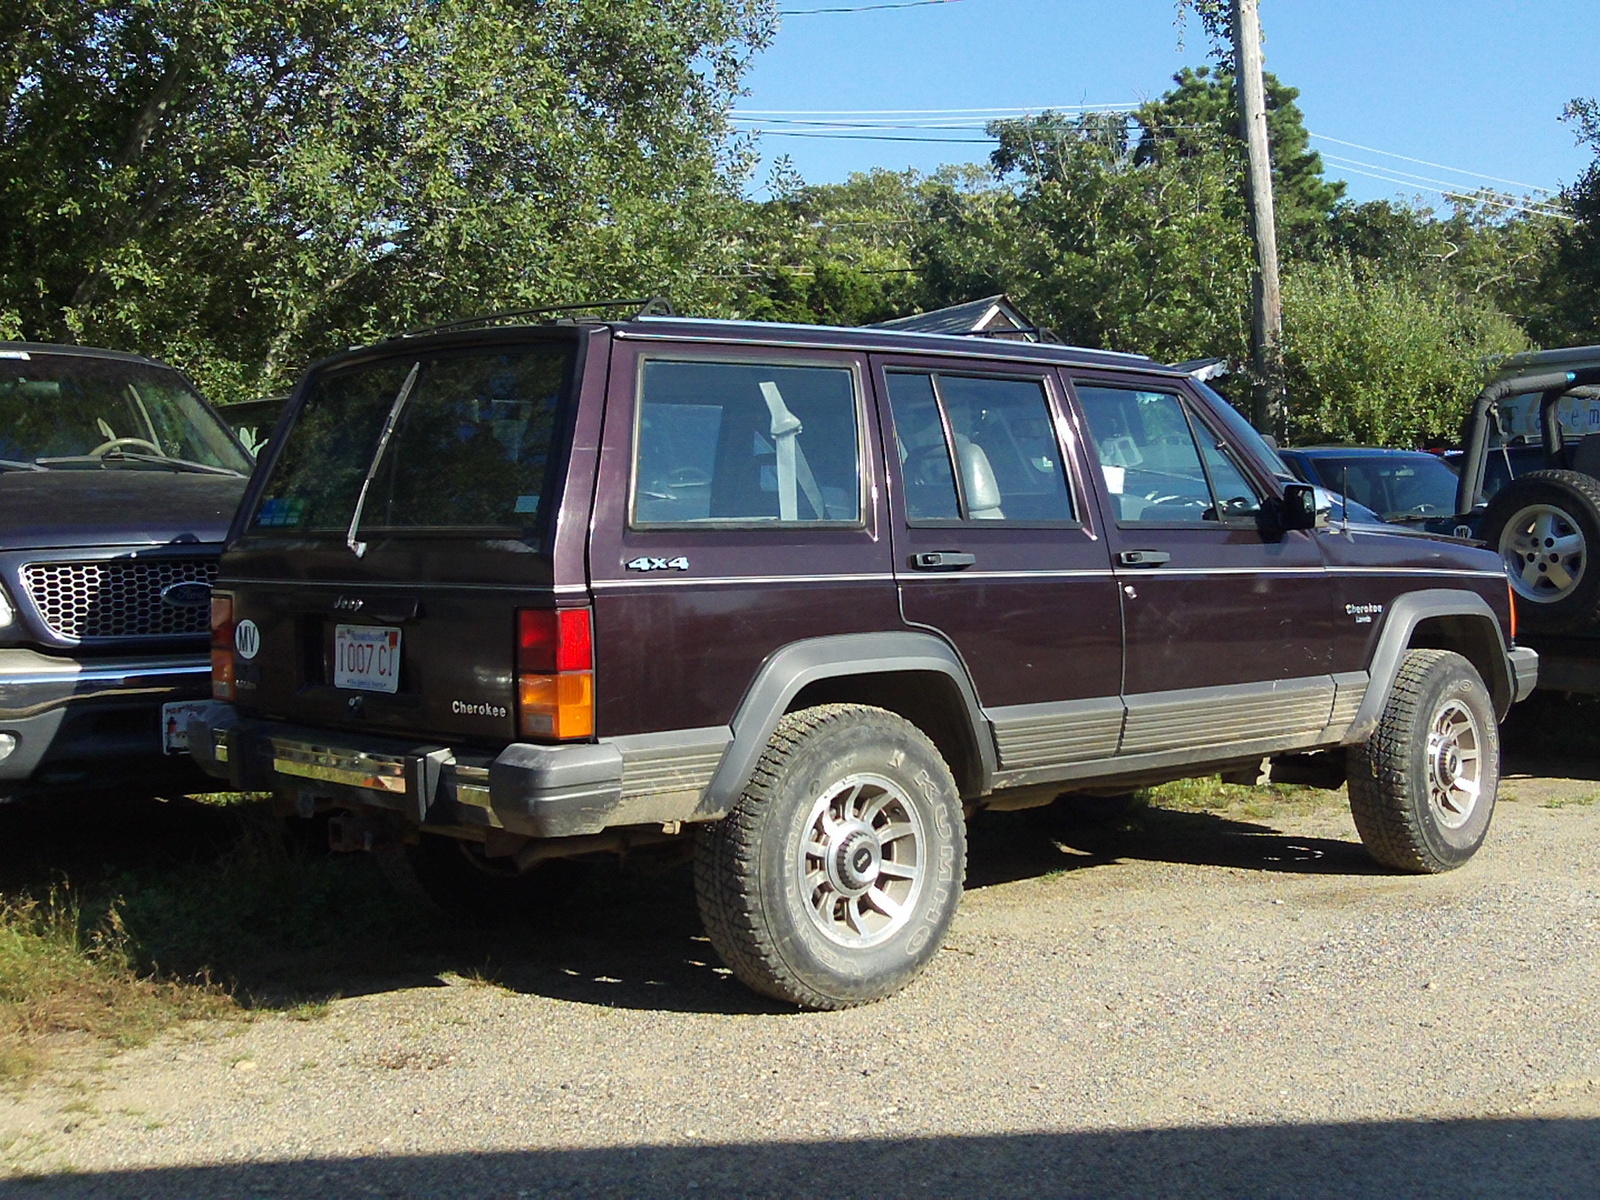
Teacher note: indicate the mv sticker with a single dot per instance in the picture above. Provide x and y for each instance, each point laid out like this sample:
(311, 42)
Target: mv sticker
(1363, 613)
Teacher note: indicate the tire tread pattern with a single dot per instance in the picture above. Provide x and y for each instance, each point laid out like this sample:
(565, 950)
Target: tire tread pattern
(1380, 771)
(731, 906)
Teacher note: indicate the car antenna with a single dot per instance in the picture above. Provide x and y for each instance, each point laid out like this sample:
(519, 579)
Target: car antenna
(1344, 498)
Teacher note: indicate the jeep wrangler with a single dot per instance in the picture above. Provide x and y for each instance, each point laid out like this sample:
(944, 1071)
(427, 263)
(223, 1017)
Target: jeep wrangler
(510, 593)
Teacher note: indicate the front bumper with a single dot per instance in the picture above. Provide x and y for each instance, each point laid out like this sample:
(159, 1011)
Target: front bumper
(535, 791)
(92, 722)
(1524, 664)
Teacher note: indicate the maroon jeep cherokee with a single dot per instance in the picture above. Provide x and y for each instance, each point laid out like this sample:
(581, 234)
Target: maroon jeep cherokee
(506, 595)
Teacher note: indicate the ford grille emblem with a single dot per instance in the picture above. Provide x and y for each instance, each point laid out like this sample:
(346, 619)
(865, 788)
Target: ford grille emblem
(188, 593)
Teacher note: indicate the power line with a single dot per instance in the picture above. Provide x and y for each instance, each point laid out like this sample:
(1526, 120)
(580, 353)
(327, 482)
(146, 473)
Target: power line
(1460, 194)
(1454, 188)
(1532, 187)
(923, 112)
(812, 12)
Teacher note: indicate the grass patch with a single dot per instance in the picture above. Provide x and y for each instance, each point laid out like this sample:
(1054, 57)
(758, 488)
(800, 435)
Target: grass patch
(216, 913)
(1582, 801)
(1209, 794)
(58, 979)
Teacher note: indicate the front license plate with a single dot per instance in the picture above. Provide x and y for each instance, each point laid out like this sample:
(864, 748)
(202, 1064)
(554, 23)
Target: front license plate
(175, 724)
(366, 657)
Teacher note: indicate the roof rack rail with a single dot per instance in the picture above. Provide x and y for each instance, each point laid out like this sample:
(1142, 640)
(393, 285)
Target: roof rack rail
(653, 306)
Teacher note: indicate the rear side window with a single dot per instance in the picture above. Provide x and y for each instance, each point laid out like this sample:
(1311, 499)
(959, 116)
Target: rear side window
(470, 448)
(977, 449)
(740, 442)
(1156, 470)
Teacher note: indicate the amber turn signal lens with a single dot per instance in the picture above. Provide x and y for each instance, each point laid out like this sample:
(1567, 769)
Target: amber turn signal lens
(221, 674)
(557, 706)
(1511, 599)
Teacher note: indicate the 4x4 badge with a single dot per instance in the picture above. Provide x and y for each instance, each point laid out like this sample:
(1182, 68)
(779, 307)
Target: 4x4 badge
(659, 564)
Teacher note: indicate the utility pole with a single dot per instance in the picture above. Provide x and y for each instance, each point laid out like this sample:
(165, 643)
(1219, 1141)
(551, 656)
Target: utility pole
(1266, 313)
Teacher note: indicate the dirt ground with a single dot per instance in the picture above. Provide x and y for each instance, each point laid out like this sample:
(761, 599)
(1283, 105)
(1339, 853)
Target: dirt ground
(1206, 1004)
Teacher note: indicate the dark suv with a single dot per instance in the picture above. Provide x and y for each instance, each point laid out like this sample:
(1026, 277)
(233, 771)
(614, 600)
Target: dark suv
(510, 594)
(117, 483)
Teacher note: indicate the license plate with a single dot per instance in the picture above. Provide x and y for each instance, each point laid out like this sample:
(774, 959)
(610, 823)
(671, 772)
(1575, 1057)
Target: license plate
(175, 724)
(366, 657)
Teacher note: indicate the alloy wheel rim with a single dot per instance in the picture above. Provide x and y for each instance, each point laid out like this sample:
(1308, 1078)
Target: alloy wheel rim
(1455, 764)
(861, 861)
(1544, 553)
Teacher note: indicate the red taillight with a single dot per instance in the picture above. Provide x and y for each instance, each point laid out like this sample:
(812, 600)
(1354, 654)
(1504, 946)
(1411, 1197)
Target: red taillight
(555, 673)
(1511, 599)
(222, 647)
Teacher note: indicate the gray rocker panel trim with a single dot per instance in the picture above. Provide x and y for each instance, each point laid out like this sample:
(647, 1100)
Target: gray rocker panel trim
(1404, 615)
(1037, 735)
(790, 669)
(1214, 716)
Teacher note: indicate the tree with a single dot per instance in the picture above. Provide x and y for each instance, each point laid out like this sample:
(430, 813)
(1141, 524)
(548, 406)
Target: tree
(1384, 360)
(1570, 291)
(1127, 253)
(1202, 112)
(244, 186)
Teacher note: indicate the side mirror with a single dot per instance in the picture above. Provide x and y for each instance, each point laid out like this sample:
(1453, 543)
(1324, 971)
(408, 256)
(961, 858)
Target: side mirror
(1298, 509)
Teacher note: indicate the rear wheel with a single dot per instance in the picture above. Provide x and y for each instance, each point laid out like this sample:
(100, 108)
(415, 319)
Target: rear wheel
(1546, 526)
(1422, 789)
(835, 877)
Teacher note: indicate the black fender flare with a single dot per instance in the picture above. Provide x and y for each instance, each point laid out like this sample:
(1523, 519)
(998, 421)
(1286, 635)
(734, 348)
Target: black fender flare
(788, 670)
(1400, 624)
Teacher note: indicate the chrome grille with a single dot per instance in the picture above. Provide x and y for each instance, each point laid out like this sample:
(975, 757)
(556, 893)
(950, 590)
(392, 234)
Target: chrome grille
(118, 598)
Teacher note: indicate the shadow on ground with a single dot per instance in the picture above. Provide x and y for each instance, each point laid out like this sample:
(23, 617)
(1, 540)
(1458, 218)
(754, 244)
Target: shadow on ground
(1546, 1158)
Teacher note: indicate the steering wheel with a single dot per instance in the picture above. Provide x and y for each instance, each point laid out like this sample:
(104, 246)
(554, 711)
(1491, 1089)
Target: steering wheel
(118, 442)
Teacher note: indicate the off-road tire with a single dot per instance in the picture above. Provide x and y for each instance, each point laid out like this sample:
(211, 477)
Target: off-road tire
(1573, 499)
(453, 878)
(1401, 810)
(772, 907)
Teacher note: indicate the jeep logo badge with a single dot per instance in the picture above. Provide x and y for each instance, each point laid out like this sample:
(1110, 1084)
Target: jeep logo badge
(187, 593)
(247, 639)
(347, 604)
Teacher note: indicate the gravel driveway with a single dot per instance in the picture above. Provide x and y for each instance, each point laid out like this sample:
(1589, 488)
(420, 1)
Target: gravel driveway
(1216, 1004)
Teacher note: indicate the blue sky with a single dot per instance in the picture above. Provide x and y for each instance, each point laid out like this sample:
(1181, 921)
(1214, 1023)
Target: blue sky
(1472, 85)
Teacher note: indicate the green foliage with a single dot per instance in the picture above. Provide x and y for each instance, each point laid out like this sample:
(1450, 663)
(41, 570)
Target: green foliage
(1380, 360)
(243, 187)
(1120, 251)
(1201, 114)
(1570, 310)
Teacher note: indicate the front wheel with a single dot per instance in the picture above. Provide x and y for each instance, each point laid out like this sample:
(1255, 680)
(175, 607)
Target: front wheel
(1422, 789)
(834, 879)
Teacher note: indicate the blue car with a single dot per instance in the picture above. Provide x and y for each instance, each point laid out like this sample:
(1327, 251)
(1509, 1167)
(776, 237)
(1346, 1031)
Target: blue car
(1403, 487)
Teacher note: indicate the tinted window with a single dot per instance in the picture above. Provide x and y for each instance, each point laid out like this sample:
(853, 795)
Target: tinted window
(470, 448)
(736, 442)
(61, 408)
(999, 461)
(1154, 469)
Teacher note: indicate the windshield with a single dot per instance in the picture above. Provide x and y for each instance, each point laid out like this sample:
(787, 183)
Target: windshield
(60, 410)
(1395, 486)
(471, 443)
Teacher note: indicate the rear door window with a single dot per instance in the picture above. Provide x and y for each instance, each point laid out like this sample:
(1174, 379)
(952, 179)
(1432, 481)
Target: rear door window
(977, 448)
(741, 442)
(471, 445)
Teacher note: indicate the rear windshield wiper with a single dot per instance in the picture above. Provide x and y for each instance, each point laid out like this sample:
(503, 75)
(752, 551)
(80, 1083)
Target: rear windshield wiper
(395, 409)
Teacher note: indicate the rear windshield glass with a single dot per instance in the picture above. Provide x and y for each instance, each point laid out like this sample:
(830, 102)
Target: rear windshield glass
(472, 440)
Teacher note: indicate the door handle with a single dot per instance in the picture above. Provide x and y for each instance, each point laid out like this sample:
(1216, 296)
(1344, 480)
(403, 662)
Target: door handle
(941, 560)
(1143, 558)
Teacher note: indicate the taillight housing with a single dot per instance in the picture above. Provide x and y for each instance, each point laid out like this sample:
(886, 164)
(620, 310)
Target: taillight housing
(221, 647)
(555, 673)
